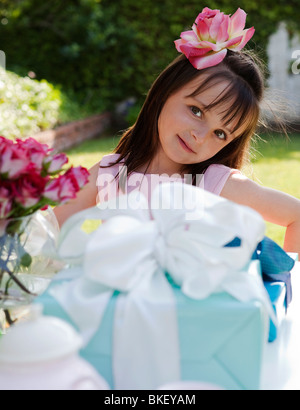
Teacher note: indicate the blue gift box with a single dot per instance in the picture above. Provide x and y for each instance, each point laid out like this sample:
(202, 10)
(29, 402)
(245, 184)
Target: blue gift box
(221, 339)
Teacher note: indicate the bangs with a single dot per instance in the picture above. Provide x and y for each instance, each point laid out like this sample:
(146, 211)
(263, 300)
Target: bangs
(241, 107)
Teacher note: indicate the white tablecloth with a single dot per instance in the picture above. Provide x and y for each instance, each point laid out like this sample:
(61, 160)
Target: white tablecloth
(281, 367)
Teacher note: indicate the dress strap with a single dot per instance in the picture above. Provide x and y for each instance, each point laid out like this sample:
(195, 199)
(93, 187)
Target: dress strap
(216, 177)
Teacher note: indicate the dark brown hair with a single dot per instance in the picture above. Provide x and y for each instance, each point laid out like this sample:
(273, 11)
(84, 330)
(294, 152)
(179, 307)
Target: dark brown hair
(244, 92)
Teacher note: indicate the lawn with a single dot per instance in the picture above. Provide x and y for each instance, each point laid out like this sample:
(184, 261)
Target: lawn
(276, 165)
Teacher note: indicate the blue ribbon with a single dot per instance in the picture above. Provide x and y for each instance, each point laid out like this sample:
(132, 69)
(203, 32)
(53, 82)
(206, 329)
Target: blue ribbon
(276, 264)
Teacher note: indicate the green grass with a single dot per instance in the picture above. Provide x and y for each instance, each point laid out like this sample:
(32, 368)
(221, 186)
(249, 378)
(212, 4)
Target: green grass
(276, 165)
(90, 152)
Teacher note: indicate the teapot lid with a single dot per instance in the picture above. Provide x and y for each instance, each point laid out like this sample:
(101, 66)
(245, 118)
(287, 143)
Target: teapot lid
(38, 339)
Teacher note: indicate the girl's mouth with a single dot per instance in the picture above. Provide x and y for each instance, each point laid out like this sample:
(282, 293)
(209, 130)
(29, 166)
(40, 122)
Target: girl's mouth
(184, 145)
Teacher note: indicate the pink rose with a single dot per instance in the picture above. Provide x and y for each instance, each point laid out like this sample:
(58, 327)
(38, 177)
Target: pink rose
(55, 163)
(28, 190)
(36, 151)
(13, 159)
(65, 187)
(52, 190)
(5, 202)
(212, 34)
(26, 167)
(80, 175)
(60, 190)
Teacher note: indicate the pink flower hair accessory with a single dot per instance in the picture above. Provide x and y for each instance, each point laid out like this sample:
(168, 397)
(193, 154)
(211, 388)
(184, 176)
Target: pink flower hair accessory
(212, 34)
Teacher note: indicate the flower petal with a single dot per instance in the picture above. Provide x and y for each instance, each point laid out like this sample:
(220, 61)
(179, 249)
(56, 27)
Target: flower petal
(202, 30)
(189, 51)
(188, 35)
(215, 26)
(248, 34)
(237, 22)
(232, 43)
(208, 61)
(206, 13)
(223, 30)
(178, 44)
(208, 45)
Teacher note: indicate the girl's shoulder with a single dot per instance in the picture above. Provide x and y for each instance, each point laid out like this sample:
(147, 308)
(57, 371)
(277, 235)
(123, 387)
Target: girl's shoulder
(216, 176)
(108, 160)
(108, 168)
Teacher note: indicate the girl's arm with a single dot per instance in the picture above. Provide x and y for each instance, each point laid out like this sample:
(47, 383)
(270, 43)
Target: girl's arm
(86, 198)
(274, 206)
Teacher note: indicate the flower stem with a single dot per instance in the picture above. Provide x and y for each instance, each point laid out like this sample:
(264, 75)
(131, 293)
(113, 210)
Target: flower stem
(8, 317)
(11, 274)
(18, 282)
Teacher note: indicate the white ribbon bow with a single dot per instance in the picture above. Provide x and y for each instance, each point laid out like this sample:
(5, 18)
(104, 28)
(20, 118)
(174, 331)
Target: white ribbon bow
(183, 234)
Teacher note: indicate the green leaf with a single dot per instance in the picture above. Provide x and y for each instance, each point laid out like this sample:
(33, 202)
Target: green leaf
(26, 260)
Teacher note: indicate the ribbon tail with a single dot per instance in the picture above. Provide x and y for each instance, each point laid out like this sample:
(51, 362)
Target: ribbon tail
(284, 277)
(146, 342)
(85, 303)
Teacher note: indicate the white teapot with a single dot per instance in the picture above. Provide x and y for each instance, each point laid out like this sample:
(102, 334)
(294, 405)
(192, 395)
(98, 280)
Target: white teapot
(41, 353)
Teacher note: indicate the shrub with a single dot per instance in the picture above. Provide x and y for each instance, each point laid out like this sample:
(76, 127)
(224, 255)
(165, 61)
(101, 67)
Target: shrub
(26, 106)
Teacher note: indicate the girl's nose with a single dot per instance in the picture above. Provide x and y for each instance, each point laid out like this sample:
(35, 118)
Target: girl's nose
(200, 134)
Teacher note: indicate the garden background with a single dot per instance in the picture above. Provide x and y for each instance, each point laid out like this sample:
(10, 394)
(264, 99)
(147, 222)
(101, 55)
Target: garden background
(67, 60)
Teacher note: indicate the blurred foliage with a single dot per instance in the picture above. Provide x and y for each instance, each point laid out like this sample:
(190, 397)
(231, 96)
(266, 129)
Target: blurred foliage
(104, 51)
(26, 106)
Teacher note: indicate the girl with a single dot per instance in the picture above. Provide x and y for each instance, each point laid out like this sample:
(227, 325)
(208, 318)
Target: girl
(198, 118)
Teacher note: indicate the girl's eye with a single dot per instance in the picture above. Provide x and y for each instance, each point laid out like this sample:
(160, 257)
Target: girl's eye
(196, 111)
(221, 135)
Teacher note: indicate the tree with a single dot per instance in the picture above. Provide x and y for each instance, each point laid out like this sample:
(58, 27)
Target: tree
(108, 50)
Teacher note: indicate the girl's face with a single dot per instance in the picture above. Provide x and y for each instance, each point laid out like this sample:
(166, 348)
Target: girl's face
(187, 133)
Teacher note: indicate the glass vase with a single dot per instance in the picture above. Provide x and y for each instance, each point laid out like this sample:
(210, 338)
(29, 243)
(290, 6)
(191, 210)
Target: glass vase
(27, 258)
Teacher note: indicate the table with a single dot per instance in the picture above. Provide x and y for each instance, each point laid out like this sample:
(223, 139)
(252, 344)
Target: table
(281, 365)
